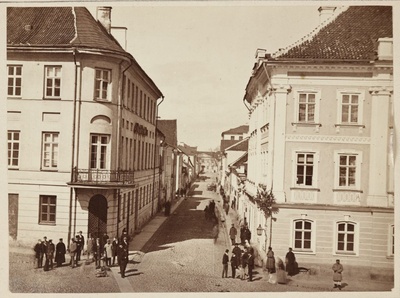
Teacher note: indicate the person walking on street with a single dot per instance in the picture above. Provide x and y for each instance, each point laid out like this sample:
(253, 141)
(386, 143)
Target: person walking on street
(39, 253)
(242, 235)
(238, 252)
(290, 262)
(60, 253)
(270, 260)
(234, 264)
(98, 251)
(114, 247)
(123, 252)
(80, 242)
(232, 234)
(243, 265)
(225, 261)
(250, 264)
(89, 247)
(72, 251)
(108, 252)
(337, 274)
(215, 233)
(50, 253)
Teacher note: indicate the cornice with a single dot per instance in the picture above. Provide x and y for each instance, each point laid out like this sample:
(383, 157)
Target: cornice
(328, 139)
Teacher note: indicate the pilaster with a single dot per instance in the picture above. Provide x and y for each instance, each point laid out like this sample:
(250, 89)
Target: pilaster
(279, 98)
(377, 184)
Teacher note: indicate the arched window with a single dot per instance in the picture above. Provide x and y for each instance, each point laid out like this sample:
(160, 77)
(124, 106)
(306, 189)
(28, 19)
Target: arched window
(303, 239)
(346, 233)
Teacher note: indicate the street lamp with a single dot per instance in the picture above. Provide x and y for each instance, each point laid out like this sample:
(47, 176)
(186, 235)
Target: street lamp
(260, 230)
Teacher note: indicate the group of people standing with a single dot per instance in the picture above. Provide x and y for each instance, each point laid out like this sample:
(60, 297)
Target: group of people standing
(47, 251)
(240, 260)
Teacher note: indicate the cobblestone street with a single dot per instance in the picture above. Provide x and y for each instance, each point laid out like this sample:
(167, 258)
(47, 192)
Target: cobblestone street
(180, 257)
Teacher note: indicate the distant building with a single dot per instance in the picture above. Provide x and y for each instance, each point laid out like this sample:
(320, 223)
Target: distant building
(208, 161)
(83, 148)
(321, 137)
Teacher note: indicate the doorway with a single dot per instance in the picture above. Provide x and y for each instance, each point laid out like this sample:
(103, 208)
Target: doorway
(97, 223)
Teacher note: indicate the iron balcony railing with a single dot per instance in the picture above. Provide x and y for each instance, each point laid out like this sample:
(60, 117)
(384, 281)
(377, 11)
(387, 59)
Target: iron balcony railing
(103, 177)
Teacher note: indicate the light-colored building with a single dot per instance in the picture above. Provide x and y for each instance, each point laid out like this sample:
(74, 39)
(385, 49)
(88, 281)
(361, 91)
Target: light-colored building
(321, 133)
(83, 149)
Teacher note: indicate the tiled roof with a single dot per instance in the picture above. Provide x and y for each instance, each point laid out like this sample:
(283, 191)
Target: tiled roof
(227, 143)
(57, 27)
(237, 130)
(242, 145)
(241, 160)
(352, 35)
(168, 127)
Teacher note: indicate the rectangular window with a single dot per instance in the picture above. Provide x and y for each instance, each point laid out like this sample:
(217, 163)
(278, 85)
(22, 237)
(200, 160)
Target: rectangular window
(140, 104)
(346, 237)
(391, 244)
(14, 80)
(52, 81)
(132, 95)
(347, 170)
(302, 235)
(136, 100)
(99, 151)
(102, 84)
(47, 209)
(13, 148)
(306, 107)
(145, 106)
(123, 206)
(50, 150)
(305, 169)
(350, 107)
(128, 94)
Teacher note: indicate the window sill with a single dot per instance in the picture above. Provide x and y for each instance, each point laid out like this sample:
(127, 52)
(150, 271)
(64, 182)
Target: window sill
(51, 98)
(13, 169)
(304, 252)
(338, 253)
(14, 97)
(350, 125)
(101, 100)
(347, 190)
(305, 188)
(306, 124)
(49, 170)
(47, 223)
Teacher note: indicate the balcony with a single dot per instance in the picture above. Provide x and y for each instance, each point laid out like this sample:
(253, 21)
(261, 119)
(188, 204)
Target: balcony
(103, 178)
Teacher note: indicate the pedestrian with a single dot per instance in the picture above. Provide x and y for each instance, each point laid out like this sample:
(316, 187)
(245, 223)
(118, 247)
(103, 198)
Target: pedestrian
(243, 265)
(215, 232)
(232, 234)
(250, 264)
(50, 253)
(225, 261)
(39, 253)
(242, 234)
(337, 274)
(72, 251)
(89, 247)
(45, 244)
(98, 253)
(234, 265)
(124, 234)
(247, 234)
(270, 260)
(290, 261)
(108, 252)
(114, 250)
(60, 253)
(123, 252)
(80, 242)
(238, 252)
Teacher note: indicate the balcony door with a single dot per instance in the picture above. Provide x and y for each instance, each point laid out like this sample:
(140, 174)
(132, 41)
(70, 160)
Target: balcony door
(97, 223)
(99, 157)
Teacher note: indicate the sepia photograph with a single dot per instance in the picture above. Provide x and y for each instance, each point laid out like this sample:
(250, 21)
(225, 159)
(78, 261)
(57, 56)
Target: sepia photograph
(169, 147)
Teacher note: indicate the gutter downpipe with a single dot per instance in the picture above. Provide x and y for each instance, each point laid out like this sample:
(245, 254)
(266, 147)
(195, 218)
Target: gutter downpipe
(154, 163)
(71, 192)
(119, 157)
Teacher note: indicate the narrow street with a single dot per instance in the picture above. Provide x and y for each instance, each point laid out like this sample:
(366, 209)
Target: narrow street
(183, 250)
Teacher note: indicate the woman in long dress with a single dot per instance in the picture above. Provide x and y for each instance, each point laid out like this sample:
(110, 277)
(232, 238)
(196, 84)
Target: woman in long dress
(270, 260)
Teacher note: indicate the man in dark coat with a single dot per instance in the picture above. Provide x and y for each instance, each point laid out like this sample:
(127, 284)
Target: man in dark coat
(39, 253)
(290, 262)
(232, 234)
(250, 264)
(50, 253)
(114, 250)
(238, 252)
(60, 253)
(225, 261)
(80, 242)
(234, 259)
(45, 247)
(242, 235)
(123, 252)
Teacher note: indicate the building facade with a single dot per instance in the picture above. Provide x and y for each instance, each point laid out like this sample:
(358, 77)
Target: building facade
(83, 148)
(321, 135)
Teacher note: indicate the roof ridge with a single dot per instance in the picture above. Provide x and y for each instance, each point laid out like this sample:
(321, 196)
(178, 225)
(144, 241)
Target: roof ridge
(339, 10)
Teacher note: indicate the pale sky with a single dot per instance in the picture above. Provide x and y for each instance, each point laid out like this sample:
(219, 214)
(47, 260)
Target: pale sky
(200, 55)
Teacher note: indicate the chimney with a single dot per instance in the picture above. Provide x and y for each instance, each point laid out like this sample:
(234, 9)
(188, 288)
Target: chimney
(104, 17)
(325, 12)
(385, 48)
(120, 34)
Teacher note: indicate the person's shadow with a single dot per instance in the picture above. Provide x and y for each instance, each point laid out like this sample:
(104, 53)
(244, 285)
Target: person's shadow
(132, 272)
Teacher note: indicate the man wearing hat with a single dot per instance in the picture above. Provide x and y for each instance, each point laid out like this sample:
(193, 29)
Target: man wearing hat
(45, 247)
(337, 274)
(232, 234)
(39, 253)
(123, 253)
(80, 242)
(238, 253)
(72, 251)
(50, 253)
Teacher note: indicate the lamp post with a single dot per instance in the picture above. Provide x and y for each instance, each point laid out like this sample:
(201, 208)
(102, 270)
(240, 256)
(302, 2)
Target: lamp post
(260, 231)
